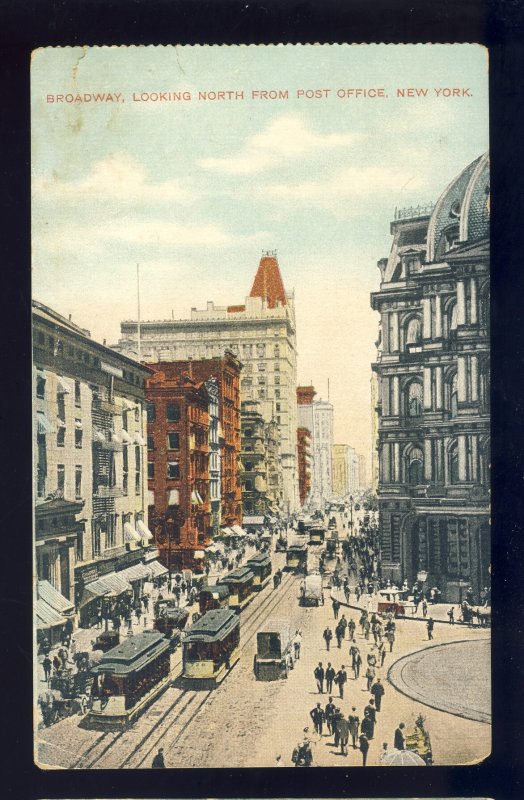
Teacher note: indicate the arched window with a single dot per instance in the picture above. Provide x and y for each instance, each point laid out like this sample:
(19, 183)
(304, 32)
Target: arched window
(413, 331)
(414, 399)
(453, 396)
(453, 464)
(484, 309)
(484, 386)
(452, 314)
(415, 466)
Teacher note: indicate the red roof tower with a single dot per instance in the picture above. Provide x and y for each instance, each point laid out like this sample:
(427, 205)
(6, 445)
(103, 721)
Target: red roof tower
(268, 282)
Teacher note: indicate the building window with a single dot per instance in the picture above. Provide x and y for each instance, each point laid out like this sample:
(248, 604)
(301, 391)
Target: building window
(413, 331)
(262, 394)
(40, 386)
(277, 394)
(278, 420)
(277, 351)
(51, 341)
(248, 486)
(78, 433)
(78, 482)
(247, 350)
(261, 350)
(277, 406)
(151, 412)
(137, 414)
(150, 470)
(60, 478)
(277, 380)
(249, 466)
(453, 462)
(414, 399)
(277, 367)
(78, 397)
(262, 367)
(60, 436)
(41, 470)
(150, 442)
(138, 468)
(111, 531)
(60, 399)
(173, 412)
(453, 391)
(173, 441)
(124, 421)
(80, 546)
(173, 470)
(137, 482)
(415, 472)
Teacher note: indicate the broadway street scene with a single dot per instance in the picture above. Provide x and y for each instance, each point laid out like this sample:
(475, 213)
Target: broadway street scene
(261, 406)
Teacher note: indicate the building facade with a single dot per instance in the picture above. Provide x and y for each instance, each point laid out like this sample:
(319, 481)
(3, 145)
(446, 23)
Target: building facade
(317, 417)
(253, 459)
(89, 460)
(347, 470)
(433, 391)
(261, 333)
(304, 465)
(178, 423)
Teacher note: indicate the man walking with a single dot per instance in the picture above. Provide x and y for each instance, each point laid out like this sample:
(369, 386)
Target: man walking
(158, 761)
(354, 724)
(46, 664)
(297, 642)
(318, 717)
(364, 747)
(319, 677)
(377, 690)
(343, 735)
(451, 616)
(329, 713)
(399, 741)
(390, 636)
(336, 607)
(430, 625)
(351, 630)
(341, 680)
(370, 677)
(330, 676)
(328, 635)
(339, 633)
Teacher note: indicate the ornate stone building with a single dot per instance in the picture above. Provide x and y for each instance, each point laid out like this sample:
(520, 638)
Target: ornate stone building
(261, 333)
(304, 464)
(262, 492)
(433, 393)
(317, 417)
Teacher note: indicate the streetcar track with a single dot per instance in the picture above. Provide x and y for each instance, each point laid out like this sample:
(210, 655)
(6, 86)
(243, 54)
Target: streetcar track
(268, 605)
(251, 626)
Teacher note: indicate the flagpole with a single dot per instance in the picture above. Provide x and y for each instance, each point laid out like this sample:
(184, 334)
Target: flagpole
(138, 303)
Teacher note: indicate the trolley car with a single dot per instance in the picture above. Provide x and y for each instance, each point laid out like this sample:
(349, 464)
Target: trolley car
(260, 566)
(296, 558)
(127, 679)
(212, 597)
(274, 658)
(240, 585)
(317, 535)
(211, 648)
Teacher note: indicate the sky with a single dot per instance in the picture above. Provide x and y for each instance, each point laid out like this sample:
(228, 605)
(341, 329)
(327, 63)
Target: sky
(194, 189)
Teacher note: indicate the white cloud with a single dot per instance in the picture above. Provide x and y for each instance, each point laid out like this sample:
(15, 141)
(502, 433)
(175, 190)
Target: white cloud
(284, 138)
(117, 177)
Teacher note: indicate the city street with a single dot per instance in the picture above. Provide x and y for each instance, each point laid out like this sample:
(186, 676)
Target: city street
(250, 723)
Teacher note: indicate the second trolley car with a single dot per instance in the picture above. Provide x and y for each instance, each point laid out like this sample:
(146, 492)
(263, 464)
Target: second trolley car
(260, 566)
(211, 648)
(212, 597)
(296, 558)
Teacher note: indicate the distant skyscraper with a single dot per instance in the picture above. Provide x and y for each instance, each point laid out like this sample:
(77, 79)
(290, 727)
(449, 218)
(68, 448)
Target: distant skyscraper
(317, 417)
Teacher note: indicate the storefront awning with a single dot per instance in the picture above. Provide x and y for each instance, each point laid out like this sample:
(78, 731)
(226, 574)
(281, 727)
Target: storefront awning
(46, 592)
(199, 554)
(112, 583)
(173, 498)
(63, 386)
(238, 531)
(227, 532)
(126, 438)
(47, 617)
(143, 530)
(128, 404)
(214, 548)
(253, 520)
(137, 572)
(130, 535)
(98, 435)
(196, 499)
(43, 424)
(156, 569)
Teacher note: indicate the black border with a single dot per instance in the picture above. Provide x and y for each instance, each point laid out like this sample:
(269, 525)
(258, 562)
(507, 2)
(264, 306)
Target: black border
(25, 25)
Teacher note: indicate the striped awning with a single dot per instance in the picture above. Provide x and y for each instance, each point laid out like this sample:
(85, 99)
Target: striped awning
(126, 438)
(99, 435)
(112, 583)
(139, 439)
(143, 530)
(46, 591)
(47, 617)
(135, 573)
(43, 424)
(63, 386)
(130, 535)
(156, 569)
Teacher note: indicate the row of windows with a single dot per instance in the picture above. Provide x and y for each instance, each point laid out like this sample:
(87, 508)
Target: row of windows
(172, 470)
(57, 346)
(172, 412)
(172, 441)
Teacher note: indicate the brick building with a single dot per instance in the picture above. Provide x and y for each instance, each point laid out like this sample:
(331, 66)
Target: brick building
(304, 464)
(178, 470)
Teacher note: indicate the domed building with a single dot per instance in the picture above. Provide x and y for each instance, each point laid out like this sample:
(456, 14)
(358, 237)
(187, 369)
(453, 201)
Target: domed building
(432, 371)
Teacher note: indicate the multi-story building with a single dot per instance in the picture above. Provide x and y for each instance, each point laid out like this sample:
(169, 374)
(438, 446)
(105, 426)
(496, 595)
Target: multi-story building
(304, 464)
(253, 459)
(347, 470)
(374, 432)
(275, 479)
(433, 372)
(178, 465)
(261, 332)
(317, 417)
(224, 444)
(89, 448)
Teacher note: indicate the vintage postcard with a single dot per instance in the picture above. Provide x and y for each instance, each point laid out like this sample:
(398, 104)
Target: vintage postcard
(261, 406)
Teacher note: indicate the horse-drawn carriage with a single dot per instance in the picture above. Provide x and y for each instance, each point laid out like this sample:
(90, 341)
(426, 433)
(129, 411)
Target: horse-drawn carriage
(68, 692)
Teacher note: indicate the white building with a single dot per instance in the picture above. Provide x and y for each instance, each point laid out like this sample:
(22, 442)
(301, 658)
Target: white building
(317, 417)
(261, 333)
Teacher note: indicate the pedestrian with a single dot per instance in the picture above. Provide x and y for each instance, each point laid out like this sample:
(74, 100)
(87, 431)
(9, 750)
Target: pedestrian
(351, 630)
(384, 752)
(138, 614)
(390, 636)
(399, 739)
(336, 607)
(370, 676)
(297, 642)
(328, 635)
(128, 619)
(430, 625)
(158, 761)
(176, 592)
(63, 656)
(46, 664)
(330, 676)
(343, 735)
(319, 677)
(371, 712)
(99, 618)
(366, 627)
(329, 713)
(377, 690)
(424, 607)
(337, 716)
(364, 747)
(318, 716)
(339, 633)
(381, 653)
(354, 724)
(451, 616)
(341, 680)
